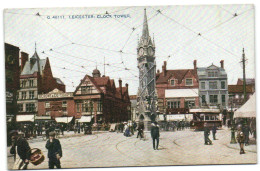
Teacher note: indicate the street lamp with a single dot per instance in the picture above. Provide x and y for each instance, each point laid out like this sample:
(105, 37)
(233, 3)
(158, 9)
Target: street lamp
(233, 139)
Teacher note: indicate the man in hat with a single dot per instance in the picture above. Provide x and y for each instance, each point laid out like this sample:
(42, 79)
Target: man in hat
(206, 135)
(21, 147)
(54, 151)
(241, 139)
(155, 134)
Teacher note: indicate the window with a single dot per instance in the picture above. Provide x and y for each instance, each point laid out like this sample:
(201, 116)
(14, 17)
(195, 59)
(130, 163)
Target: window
(173, 104)
(86, 89)
(172, 82)
(202, 85)
(47, 105)
(189, 104)
(20, 107)
(30, 83)
(31, 94)
(64, 103)
(99, 106)
(23, 83)
(188, 82)
(78, 107)
(30, 107)
(223, 85)
(213, 99)
(65, 112)
(48, 113)
(203, 98)
(24, 95)
(212, 74)
(223, 98)
(213, 85)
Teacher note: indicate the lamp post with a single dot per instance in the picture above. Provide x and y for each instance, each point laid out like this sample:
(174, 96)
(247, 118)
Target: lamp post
(233, 139)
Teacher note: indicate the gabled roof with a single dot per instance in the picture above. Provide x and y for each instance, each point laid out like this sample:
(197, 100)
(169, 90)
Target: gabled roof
(249, 81)
(177, 74)
(102, 81)
(29, 70)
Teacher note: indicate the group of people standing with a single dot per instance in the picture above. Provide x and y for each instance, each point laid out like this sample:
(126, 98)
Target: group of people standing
(22, 151)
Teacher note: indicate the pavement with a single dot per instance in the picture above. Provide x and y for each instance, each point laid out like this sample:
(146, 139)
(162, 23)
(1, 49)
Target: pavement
(111, 149)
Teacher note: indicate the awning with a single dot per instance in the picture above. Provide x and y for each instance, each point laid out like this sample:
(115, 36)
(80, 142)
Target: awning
(177, 93)
(42, 117)
(63, 119)
(179, 117)
(204, 110)
(248, 110)
(85, 119)
(24, 118)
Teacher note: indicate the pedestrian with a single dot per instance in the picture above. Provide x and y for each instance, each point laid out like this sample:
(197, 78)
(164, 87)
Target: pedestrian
(240, 139)
(214, 131)
(21, 147)
(126, 130)
(54, 151)
(246, 131)
(206, 135)
(140, 130)
(155, 134)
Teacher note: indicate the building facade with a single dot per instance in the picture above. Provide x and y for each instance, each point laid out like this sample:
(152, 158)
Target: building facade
(56, 104)
(36, 78)
(236, 93)
(146, 96)
(177, 90)
(12, 73)
(99, 98)
(213, 86)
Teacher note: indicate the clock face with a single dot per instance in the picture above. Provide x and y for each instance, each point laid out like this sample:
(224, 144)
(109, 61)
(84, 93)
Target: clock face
(150, 51)
(10, 59)
(141, 52)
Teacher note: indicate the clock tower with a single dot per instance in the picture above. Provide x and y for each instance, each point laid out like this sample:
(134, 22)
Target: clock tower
(146, 96)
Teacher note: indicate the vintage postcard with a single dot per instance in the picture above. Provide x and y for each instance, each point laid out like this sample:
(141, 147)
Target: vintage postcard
(130, 86)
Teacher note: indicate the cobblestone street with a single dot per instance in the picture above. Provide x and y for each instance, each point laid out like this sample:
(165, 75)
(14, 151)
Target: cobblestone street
(107, 149)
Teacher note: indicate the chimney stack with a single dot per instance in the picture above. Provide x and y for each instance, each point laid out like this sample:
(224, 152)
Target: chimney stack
(24, 58)
(195, 64)
(126, 85)
(164, 69)
(222, 64)
(120, 85)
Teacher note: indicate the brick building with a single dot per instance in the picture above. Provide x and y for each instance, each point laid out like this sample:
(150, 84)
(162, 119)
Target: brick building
(99, 98)
(56, 104)
(12, 72)
(237, 92)
(35, 78)
(177, 89)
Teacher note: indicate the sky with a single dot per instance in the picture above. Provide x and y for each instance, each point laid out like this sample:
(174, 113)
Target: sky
(76, 46)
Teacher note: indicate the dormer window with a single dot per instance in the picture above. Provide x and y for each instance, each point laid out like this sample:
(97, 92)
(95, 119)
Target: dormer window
(172, 82)
(188, 82)
(213, 74)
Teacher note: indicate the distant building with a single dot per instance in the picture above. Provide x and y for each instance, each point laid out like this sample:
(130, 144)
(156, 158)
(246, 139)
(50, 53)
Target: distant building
(177, 90)
(237, 92)
(56, 104)
(36, 78)
(98, 98)
(213, 87)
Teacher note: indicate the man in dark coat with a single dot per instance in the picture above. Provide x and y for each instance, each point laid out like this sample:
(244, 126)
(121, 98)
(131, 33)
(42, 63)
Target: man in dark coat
(214, 131)
(54, 151)
(206, 135)
(140, 130)
(21, 147)
(155, 134)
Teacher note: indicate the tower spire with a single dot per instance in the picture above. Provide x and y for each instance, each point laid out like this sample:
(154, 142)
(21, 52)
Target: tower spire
(145, 33)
